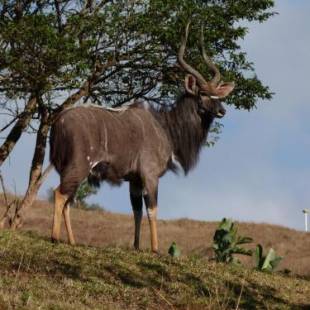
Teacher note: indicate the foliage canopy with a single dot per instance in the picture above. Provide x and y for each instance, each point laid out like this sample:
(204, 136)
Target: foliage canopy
(49, 48)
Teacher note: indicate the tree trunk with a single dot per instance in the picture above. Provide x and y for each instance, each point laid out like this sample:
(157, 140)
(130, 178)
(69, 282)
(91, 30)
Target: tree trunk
(36, 176)
(28, 199)
(17, 129)
(5, 217)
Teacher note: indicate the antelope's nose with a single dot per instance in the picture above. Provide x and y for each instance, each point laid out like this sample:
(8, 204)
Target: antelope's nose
(221, 112)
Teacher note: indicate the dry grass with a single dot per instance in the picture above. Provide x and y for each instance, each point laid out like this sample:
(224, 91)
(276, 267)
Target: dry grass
(36, 274)
(102, 229)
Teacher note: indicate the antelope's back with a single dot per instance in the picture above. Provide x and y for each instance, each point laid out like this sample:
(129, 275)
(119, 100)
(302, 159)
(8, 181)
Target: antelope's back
(85, 135)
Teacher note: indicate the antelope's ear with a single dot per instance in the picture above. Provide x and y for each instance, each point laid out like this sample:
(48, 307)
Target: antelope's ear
(191, 85)
(224, 89)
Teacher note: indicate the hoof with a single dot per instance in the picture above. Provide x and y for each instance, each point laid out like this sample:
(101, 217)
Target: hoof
(136, 246)
(71, 243)
(16, 223)
(54, 240)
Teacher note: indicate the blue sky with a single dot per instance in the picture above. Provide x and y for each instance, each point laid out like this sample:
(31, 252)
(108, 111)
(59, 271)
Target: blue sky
(259, 170)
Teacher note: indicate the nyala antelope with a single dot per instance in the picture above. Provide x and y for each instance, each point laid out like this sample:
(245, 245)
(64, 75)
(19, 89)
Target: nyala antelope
(137, 144)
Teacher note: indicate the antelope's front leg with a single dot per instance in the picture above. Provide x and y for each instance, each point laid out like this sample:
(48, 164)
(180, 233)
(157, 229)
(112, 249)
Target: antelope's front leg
(136, 203)
(150, 200)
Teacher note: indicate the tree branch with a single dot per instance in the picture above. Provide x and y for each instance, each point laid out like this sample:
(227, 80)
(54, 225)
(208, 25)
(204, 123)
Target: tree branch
(18, 129)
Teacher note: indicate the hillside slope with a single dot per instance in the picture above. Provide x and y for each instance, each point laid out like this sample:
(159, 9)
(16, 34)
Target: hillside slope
(101, 229)
(36, 274)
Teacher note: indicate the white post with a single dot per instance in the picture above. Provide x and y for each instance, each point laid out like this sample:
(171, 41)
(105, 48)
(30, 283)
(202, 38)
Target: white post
(306, 211)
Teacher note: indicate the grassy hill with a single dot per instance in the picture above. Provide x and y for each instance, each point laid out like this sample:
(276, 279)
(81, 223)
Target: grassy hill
(103, 272)
(36, 274)
(102, 229)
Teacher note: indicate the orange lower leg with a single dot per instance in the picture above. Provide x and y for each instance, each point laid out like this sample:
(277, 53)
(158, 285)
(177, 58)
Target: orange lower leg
(152, 216)
(60, 201)
(66, 214)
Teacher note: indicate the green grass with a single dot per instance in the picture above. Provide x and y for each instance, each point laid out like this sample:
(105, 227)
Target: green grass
(36, 274)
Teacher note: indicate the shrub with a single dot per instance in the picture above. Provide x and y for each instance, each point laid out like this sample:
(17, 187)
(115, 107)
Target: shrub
(268, 262)
(226, 242)
(173, 250)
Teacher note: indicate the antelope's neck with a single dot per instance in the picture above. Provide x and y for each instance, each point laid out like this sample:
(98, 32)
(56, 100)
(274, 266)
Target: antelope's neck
(186, 129)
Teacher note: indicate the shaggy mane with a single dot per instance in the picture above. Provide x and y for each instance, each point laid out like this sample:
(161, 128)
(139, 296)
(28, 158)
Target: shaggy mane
(186, 129)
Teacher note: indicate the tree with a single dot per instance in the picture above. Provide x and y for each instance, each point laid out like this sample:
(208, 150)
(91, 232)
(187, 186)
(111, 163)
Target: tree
(54, 54)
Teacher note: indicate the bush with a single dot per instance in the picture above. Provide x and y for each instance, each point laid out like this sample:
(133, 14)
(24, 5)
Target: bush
(226, 242)
(268, 262)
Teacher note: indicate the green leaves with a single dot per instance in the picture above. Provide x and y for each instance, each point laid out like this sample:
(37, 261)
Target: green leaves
(268, 262)
(83, 192)
(226, 242)
(36, 53)
(173, 250)
(47, 49)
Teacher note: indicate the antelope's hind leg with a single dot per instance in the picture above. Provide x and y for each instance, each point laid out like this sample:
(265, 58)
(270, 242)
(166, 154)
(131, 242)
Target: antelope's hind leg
(59, 204)
(136, 203)
(66, 214)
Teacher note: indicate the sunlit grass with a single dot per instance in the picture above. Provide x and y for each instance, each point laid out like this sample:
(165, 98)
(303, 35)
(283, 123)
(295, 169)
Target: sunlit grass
(35, 273)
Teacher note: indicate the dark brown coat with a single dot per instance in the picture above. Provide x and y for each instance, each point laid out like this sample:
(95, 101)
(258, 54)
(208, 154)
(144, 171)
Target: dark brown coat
(137, 144)
(122, 143)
